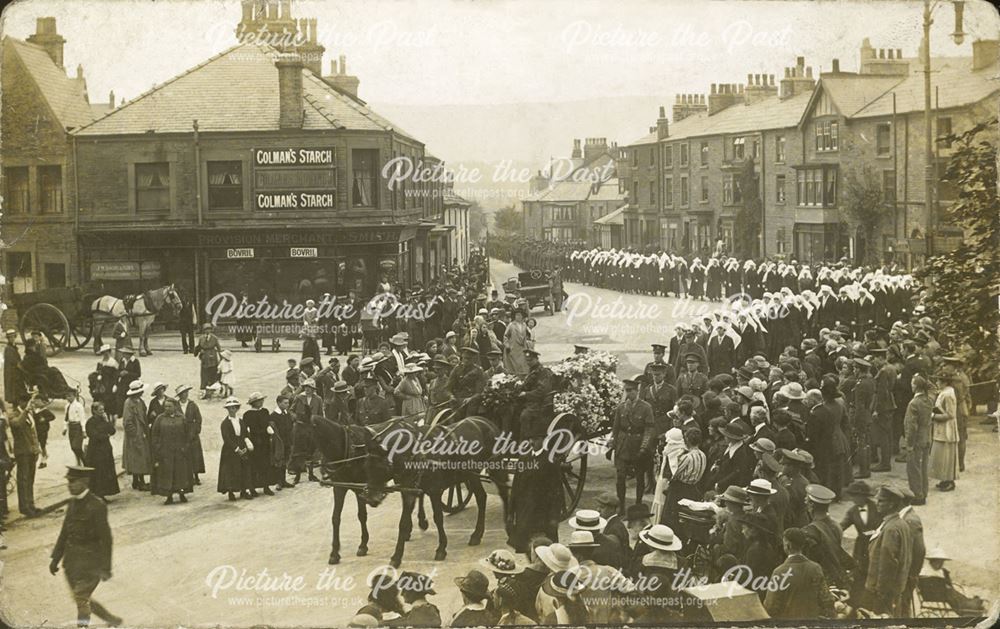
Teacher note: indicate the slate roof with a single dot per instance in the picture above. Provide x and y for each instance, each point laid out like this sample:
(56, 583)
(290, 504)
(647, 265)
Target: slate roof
(66, 96)
(958, 85)
(236, 90)
(608, 192)
(852, 92)
(613, 218)
(567, 191)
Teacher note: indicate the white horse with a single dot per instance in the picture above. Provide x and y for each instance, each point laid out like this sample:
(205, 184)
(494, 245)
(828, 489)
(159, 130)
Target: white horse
(141, 310)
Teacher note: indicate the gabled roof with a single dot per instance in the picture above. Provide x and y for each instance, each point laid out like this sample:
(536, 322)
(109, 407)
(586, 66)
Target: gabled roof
(959, 85)
(65, 96)
(236, 90)
(608, 192)
(850, 92)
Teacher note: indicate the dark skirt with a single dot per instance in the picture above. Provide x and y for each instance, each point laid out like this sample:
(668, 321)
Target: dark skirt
(197, 455)
(209, 375)
(234, 472)
(100, 456)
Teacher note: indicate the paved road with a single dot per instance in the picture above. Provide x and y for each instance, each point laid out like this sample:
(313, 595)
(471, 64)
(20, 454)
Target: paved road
(164, 555)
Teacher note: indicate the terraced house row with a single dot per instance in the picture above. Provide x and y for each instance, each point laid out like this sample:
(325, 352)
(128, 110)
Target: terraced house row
(796, 140)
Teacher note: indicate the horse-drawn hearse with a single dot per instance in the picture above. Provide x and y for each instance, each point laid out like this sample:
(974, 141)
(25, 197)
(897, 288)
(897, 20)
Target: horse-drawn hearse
(377, 461)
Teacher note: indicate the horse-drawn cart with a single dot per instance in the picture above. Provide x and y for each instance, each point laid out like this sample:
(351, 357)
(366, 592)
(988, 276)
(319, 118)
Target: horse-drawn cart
(62, 315)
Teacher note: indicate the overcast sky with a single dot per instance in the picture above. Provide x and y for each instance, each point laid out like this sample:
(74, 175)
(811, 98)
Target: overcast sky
(430, 52)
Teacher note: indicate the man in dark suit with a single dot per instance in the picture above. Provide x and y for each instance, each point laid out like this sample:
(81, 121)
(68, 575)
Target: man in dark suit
(721, 351)
(84, 547)
(186, 320)
(735, 465)
(805, 594)
(607, 506)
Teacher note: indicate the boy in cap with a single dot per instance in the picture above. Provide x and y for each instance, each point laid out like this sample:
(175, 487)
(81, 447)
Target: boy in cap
(84, 547)
(864, 516)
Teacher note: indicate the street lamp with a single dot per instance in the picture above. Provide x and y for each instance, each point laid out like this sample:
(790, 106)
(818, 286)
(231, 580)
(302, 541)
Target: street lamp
(958, 36)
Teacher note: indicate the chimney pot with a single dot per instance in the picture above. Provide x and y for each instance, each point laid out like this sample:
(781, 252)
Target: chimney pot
(836, 65)
(899, 53)
(343, 64)
(713, 88)
(79, 70)
(809, 72)
(663, 113)
(749, 79)
(881, 53)
(111, 99)
(800, 61)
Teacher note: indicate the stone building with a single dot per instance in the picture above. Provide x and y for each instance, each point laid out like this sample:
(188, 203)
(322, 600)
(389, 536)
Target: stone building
(41, 105)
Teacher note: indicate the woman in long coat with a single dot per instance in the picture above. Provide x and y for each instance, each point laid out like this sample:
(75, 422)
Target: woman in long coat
(170, 444)
(411, 393)
(103, 386)
(943, 461)
(136, 458)
(714, 274)
(234, 470)
(515, 341)
(256, 423)
(192, 415)
(99, 455)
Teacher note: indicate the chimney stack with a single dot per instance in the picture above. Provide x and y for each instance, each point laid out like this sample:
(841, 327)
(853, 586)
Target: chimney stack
(594, 147)
(577, 152)
(662, 124)
(798, 80)
(111, 99)
(340, 79)
(47, 37)
(759, 88)
(882, 61)
(291, 108)
(836, 66)
(687, 105)
(726, 95)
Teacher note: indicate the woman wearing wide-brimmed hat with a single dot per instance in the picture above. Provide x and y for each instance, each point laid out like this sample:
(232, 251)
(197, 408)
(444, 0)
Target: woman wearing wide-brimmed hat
(192, 417)
(661, 563)
(136, 458)
(410, 392)
(256, 423)
(234, 470)
(103, 381)
(943, 460)
(173, 464)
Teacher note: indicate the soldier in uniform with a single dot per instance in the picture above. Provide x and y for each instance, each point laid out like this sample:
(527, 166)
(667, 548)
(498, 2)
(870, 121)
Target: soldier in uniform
(661, 396)
(373, 407)
(537, 396)
(305, 407)
(84, 547)
(495, 357)
(467, 378)
(692, 381)
(659, 358)
(632, 437)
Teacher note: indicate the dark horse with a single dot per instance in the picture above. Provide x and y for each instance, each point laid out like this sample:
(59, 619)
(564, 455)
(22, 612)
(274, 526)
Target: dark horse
(344, 452)
(433, 460)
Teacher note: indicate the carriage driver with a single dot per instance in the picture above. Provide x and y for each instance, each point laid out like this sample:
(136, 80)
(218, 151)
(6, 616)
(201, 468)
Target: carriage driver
(537, 396)
(632, 436)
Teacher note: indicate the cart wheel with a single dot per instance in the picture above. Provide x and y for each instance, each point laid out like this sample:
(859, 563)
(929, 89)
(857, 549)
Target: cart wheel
(82, 330)
(51, 322)
(574, 477)
(458, 497)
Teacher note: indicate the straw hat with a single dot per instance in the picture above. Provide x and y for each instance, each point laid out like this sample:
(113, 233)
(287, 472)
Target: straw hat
(556, 557)
(135, 387)
(661, 537)
(587, 520)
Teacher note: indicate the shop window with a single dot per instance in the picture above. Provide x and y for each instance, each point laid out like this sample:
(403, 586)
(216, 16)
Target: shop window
(50, 190)
(364, 187)
(225, 185)
(16, 189)
(20, 269)
(55, 275)
(152, 187)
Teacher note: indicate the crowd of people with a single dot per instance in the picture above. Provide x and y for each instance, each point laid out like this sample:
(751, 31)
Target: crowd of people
(744, 428)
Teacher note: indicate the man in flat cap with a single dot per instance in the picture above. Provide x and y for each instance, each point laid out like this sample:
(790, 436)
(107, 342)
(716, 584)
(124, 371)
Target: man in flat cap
(84, 547)
(632, 438)
(889, 555)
